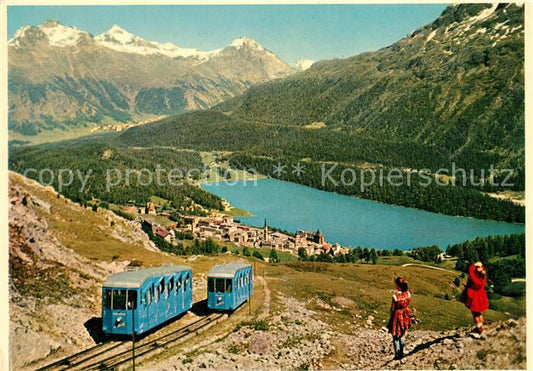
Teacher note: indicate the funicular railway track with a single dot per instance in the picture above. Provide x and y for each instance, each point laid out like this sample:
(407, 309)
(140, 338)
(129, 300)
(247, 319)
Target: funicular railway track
(111, 355)
(83, 356)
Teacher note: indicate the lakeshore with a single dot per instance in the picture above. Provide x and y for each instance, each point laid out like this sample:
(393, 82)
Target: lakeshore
(350, 221)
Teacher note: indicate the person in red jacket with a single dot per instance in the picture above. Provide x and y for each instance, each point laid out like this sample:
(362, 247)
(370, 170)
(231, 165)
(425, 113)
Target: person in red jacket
(475, 297)
(400, 319)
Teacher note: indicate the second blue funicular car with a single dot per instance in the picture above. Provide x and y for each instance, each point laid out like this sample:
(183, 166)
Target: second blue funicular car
(229, 285)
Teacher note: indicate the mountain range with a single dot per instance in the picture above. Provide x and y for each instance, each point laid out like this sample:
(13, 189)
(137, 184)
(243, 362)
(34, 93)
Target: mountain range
(61, 77)
(456, 85)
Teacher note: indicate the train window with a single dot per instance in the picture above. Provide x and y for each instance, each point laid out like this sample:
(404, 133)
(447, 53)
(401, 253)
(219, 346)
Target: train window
(132, 299)
(170, 284)
(187, 278)
(211, 284)
(149, 296)
(161, 287)
(108, 299)
(119, 299)
(156, 294)
(228, 284)
(179, 282)
(219, 285)
(241, 281)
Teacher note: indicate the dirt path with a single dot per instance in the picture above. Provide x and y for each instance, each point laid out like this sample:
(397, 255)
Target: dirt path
(428, 266)
(266, 304)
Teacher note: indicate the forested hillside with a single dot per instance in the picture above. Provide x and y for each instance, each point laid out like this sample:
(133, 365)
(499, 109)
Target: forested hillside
(117, 174)
(457, 83)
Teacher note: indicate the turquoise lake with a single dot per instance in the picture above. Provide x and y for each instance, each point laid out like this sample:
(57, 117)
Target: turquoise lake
(350, 221)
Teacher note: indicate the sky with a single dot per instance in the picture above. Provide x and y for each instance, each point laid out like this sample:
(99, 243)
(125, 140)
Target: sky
(314, 32)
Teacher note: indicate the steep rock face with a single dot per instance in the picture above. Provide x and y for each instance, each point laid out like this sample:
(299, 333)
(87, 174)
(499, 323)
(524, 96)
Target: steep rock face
(457, 83)
(54, 292)
(61, 77)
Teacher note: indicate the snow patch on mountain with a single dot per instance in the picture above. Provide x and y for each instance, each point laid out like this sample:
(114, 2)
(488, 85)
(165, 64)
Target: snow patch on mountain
(303, 64)
(484, 14)
(431, 35)
(245, 41)
(56, 33)
(21, 32)
(121, 40)
(61, 36)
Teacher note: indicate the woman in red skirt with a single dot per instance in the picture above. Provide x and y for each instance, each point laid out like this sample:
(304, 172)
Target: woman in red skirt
(475, 296)
(400, 319)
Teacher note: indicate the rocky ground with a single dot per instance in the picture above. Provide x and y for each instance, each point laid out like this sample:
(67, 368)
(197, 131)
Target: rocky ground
(291, 339)
(503, 346)
(295, 339)
(52, 289)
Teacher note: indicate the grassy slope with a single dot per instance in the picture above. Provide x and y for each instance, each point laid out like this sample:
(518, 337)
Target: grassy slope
(371, 287)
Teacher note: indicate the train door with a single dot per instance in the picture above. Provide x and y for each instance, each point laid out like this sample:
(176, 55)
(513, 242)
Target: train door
(131, 309)
(143, 308)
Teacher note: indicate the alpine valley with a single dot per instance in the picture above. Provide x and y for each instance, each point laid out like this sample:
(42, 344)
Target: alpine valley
(450, 94)
(62, 78)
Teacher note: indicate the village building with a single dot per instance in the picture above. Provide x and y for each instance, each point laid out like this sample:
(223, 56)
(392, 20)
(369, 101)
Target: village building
(150, 208)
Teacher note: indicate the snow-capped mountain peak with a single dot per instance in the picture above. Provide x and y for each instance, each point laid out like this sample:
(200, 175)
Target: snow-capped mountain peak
(56, 33)
(21, 32)
(246, 42)
(19, 35)
(118, 34)
(119, 39)
(59, 35)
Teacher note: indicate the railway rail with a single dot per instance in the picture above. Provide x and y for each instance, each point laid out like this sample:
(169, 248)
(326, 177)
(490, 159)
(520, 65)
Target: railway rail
(83, 356)
(111, 355)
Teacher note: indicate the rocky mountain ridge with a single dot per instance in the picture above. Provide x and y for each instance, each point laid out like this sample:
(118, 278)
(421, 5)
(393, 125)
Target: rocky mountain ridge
(53, 291)
(61, 77)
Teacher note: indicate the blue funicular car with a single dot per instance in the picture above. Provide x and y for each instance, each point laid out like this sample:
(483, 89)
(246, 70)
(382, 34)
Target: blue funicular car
(153, 295)
(229, 285)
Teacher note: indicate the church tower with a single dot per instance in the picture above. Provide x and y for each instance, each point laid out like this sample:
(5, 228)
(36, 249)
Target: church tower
(265, 231)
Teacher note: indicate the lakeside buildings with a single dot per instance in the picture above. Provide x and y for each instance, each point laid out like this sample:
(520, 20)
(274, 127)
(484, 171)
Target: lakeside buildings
(224, 228)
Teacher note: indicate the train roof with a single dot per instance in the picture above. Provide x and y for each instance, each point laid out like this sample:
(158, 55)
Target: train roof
(227, 270)
(135, 279)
